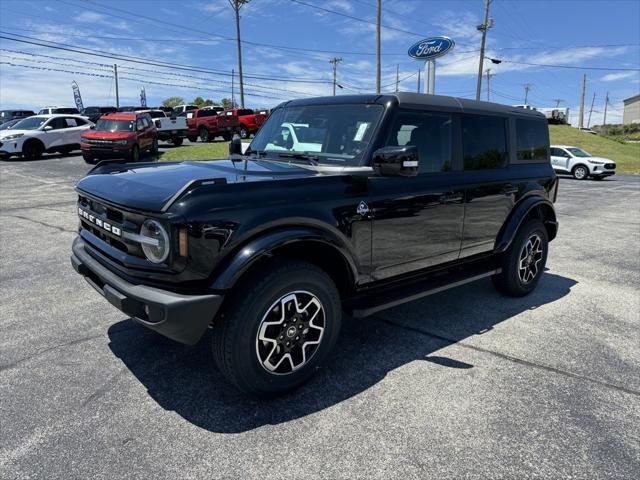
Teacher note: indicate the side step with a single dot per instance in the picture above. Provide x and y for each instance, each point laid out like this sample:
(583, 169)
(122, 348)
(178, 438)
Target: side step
(398, 295)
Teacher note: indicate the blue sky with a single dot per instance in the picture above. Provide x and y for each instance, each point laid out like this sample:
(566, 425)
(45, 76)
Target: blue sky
(574, 33)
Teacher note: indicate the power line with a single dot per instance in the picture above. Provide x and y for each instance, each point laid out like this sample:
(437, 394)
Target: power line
(547, 65)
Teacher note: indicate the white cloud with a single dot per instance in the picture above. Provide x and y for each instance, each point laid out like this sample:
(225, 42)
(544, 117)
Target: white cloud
(95, 18)
(612, 77)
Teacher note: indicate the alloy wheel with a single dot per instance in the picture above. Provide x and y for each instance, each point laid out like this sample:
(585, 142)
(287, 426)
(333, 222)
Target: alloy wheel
(580, 173)
(290, 332)
(529, 259)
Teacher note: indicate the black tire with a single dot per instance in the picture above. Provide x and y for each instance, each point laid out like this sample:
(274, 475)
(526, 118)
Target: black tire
(134, 154)
(203, 133)
(580, 172)
(192, 139)
(176, 142)
(242, 357)
(244, 133)
(226, 136)
(32, 150)
(89, 158)
(154, 147)
(510, 281)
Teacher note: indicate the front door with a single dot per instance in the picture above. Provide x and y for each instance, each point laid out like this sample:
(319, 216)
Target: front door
(559, 159)
(417, 222)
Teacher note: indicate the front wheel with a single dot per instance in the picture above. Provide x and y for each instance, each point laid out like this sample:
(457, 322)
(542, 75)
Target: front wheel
(88, 158)
(204, 135)
(524, 262)
(154, 147)
(134, 154)
(278, 328)
(176, 142)
(580, 172)
(244, 133)
(32, 150)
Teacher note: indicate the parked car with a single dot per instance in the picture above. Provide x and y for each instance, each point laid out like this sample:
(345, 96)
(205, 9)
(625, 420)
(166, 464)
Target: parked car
(178, 109)
(9, 124)
(167, 110)
(6, 115)
(582, 165)
(172, 130)
(94, 113)
(62, 110)
(588, 130)
(248, 120)
(207, 124)
(120, 134)
(132, 108)
(32, 136)
(409, 195)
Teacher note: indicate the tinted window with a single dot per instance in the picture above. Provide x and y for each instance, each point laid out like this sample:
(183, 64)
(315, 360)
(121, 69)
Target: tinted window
(484, 142)
(109, 125)
(207, 113)
(30, 123)
(533, 139)
(246, 111)
(65, 110)
(57, 123)
(431, 133)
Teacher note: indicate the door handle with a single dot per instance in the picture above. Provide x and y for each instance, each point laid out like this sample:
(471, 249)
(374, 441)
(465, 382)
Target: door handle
(509, 189)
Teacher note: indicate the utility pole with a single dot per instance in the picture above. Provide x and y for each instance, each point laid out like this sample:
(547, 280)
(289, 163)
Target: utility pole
(233, 94)
(335, 61)
(558, 100)
(397, 78)
(487, 24)
(606, 103)
(527, 87)
(115, 75)
(591, 109)
(489, 75)
(378, 74)
(237, 5)
(584, 87)
(418, 81)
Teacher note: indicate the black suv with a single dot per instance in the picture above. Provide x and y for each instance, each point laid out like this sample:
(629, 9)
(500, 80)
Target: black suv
(354, 203)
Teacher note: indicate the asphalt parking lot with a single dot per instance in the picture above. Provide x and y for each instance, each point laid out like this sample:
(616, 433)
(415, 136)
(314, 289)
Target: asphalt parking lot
(464, 384)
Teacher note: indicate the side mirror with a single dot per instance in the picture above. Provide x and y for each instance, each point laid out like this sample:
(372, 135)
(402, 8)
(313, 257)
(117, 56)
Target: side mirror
(47, 128)
(92, 127)
(235, 146)
(157, 123)
(396, 161)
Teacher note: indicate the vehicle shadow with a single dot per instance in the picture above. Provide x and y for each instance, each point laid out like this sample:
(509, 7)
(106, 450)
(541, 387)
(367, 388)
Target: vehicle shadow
(184, 379)
(46, 156)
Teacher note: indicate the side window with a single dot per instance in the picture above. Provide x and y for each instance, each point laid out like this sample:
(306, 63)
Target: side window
(555, 152)
(533, 139)
(431, 133)
(484, 142)
(57, 123)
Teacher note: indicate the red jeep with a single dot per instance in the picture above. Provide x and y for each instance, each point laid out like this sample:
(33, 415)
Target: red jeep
(250, 120)
(210, 122)
(120, 134)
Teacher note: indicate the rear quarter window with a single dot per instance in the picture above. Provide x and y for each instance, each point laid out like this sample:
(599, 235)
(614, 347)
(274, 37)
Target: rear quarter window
(484, 142)
(532, 140)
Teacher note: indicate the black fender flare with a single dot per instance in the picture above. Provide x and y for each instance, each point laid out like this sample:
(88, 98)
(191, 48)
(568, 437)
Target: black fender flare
(519, 213)
(257, 248)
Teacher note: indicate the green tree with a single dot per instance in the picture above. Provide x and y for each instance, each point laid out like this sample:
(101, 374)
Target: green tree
(227, 103)
(201, 102)
(173, 101)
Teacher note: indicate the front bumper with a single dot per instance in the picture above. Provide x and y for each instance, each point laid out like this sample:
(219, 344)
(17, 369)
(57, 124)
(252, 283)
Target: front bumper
(183, 318)
(601, 171)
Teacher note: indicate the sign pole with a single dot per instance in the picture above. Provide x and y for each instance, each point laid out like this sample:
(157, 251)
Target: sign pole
(430, 77)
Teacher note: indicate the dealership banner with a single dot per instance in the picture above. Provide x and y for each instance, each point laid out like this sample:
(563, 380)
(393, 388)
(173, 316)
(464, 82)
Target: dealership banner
(143, 97)
(76, 96)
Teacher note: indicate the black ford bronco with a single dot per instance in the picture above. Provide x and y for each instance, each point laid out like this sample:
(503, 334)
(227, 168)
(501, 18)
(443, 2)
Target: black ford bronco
(348, 203)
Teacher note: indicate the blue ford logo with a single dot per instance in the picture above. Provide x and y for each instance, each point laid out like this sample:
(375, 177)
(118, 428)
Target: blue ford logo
(431, 48)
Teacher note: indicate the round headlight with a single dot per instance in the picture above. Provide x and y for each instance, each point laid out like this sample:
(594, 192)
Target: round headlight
(156, 249)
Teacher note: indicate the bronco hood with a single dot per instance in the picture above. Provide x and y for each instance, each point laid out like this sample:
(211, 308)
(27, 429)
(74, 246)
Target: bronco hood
(154, 186)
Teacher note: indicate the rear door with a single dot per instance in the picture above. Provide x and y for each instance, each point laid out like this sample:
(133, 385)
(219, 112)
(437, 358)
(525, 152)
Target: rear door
(57, 136)
(490, 195)
(417, 222)
(75, 128)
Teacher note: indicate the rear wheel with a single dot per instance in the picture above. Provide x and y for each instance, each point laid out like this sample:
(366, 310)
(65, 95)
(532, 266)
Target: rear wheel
(524, 262)
(580, 172)
(278, 328)
(134, 154)
(32, 150)
(203, 133)
(192, 139)
(244, 133)
(176, 142)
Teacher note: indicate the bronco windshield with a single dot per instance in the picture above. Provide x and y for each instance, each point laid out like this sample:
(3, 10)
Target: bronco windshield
(107, 125)
(331, 134)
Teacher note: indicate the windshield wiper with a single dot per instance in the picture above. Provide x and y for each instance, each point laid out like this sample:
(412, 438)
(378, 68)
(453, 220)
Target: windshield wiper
(311, 159)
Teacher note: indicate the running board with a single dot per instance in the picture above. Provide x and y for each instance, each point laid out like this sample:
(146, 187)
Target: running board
(411, 292)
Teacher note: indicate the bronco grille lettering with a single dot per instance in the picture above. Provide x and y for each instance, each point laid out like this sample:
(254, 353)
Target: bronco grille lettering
(99, 223)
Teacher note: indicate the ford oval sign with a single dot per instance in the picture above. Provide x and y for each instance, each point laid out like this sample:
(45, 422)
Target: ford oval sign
(431, 48)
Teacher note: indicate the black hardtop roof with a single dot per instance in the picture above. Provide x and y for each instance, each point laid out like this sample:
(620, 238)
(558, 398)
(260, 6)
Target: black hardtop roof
(421, 100)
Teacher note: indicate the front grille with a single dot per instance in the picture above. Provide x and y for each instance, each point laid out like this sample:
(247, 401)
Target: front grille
(110, 225)
(95, 141)
(609, 166)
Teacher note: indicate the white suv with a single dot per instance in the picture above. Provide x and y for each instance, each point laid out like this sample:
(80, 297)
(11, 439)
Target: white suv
(35, 135)
(580, 164)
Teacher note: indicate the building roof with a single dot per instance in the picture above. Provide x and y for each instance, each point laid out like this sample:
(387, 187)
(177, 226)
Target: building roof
(633, 99)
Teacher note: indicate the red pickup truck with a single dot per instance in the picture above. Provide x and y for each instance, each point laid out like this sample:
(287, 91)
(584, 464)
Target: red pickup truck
(206, 124)
(250, 120)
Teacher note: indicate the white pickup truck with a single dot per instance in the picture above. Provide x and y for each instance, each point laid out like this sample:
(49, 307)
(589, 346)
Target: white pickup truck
(172, 130)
